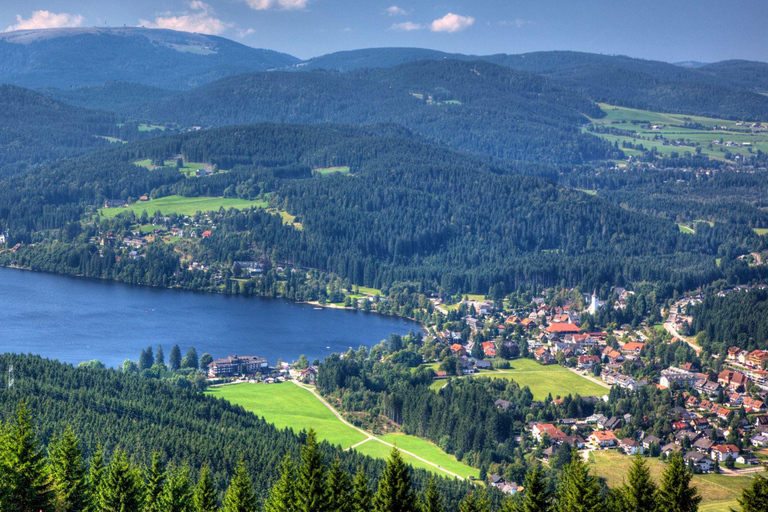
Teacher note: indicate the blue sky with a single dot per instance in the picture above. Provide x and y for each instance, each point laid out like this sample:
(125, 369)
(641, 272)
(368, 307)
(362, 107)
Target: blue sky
(669, 30)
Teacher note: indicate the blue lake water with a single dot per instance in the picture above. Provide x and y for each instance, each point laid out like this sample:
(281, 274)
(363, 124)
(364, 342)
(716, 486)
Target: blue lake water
(74, 320)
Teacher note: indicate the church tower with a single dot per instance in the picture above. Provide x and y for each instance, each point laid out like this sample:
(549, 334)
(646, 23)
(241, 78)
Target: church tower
(593, 305)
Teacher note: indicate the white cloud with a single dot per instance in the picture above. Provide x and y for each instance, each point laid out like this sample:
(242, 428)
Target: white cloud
(46, 19)
(405, 26)
(244, 32)
(516, 22)
(203, 20)
(286, 5)
(394, 10)
(451, 23)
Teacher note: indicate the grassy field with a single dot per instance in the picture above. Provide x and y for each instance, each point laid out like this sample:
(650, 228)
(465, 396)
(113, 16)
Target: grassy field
(324, 171)
(670, 126)
(288, 406)
(719, 492)
(542, 380)
(189, 169)
(182, 205)
(431, 452)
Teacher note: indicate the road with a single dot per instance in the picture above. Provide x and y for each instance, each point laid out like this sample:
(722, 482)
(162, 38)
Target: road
(669, 326)
(369, 436)
(589, 377)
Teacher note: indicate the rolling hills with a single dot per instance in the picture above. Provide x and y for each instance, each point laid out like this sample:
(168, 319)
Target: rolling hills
(471, 105)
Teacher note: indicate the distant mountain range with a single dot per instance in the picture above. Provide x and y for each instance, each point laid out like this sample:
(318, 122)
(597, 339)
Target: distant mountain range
(68, 57)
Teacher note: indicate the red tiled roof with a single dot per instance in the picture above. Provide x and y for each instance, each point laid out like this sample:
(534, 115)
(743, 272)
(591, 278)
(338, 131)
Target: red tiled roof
(562, 328)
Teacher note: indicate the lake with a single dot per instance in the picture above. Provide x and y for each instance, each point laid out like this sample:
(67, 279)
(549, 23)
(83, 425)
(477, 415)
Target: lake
(75, 320)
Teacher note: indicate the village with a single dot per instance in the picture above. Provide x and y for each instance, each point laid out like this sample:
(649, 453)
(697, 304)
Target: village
(721, 423)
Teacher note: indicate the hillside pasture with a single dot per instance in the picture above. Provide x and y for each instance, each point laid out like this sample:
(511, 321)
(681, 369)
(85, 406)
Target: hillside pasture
(183, 205)
(719, 492)
(288, 406)
(718, 136)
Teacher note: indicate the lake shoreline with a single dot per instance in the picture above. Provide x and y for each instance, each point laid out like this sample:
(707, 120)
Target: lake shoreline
(217, 292)
(274, 330)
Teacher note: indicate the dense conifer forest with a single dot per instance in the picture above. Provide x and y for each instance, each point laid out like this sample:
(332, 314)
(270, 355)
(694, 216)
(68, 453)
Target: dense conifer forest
(738, 319)
(449, 220)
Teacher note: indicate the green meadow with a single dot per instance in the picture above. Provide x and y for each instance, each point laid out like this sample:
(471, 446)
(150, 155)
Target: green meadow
(183, 205)
(542, 380)
(324, 171)
(671, 127)
(286, 405)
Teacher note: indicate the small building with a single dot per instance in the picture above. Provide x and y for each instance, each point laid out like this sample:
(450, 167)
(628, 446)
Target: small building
(600, 439)
(701, 461)
(650, 440)
(721, 452)
(308, 375)
(630, 446)
(541, 429)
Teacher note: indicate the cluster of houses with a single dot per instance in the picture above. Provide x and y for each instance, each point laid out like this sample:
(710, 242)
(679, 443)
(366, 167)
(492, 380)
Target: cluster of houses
(701, 443)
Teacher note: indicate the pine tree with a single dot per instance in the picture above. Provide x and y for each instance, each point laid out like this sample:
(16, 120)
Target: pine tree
(121, 488)
(146, 359)
(431, 501)
(339, 489)
(5, 470)
(755, 497)
(475, 502)
(155, 478)
(536, 497)
(174, 360)
(578, 490)
(395, 493)
(191, 359)
(177, 492)
(676, 494)
(282, 496)
(311, 477)
(160, 355)
(640, 493)
(240, 497)
(361, 492)
(29, 486)
(69, 474)
(96, 475)
(205, 495)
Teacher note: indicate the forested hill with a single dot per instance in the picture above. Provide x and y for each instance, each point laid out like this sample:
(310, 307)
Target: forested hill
(35, 129)
(474, 106)
(740, 73)
(142, 416)
(65, 57)
(411, 212)
(118, 97)
(727, 89)
(375, 58)
(739, 319)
